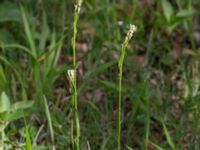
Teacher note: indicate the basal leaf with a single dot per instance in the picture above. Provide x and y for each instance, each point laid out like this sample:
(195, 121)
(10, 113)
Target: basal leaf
(4, 102)
(167, 10)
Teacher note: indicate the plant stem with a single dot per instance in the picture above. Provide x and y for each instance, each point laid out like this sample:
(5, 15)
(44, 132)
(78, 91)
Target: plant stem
(120, 66)
(72, 128)
(119, 108)
(75, 103)
(75, 86)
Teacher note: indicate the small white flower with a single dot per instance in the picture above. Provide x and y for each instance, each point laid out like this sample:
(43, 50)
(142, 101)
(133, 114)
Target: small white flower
(125, 43)
(129, 34)
(120, 23)
(131, 31)
(71, 75)
(78, 6)
(133, 28)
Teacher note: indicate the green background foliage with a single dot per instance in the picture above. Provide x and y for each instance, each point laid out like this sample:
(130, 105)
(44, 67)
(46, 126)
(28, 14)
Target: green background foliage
(160, 103)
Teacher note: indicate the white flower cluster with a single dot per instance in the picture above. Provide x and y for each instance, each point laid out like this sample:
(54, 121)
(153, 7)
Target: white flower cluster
(125, 43)
(78, 6)
(130, 33)
(71, 75)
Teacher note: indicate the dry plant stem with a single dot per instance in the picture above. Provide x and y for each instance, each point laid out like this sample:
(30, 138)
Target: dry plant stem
(120, 65)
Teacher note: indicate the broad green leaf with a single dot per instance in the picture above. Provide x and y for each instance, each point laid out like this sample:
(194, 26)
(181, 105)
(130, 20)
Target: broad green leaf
(16, 114)
(185, 13)
(9, 12)
(22, 105)
(167, 9)
(4, 103)
(3, 116)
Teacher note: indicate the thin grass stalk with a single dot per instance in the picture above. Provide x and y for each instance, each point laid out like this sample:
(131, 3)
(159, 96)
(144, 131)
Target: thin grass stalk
(49, 120)
(168, 136)
(119, 108)
(72, 130)
(120, 66)
(74, 99)
(75, 86)
(71, 81)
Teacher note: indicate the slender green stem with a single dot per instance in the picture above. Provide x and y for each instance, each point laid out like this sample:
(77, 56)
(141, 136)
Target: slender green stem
(120, 66)
(147, 126)
(72, 129)
(119, 107)
(74, 100)
(75, 86)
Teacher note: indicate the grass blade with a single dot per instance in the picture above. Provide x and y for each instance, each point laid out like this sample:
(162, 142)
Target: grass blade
(28, 141)
(129, 148)
(28, 33)
(157, 147)
(168, 136)
(49, 121)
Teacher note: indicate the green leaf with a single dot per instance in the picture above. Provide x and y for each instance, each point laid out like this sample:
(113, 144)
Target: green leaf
(3, 80)
(22, 105)
(29, 33)
(49, 120)
(111, 85)
(16, 47)
(9, 12)
(167, 10)
(129, 148)
(6, 36)
(88, 145)
(4, 103)
(40, 148)
(16, 114)
(185, 13)
(157, 147)
(44, 34)
(3, 116)
(28, 141)
(168, 136)
(91, 74)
